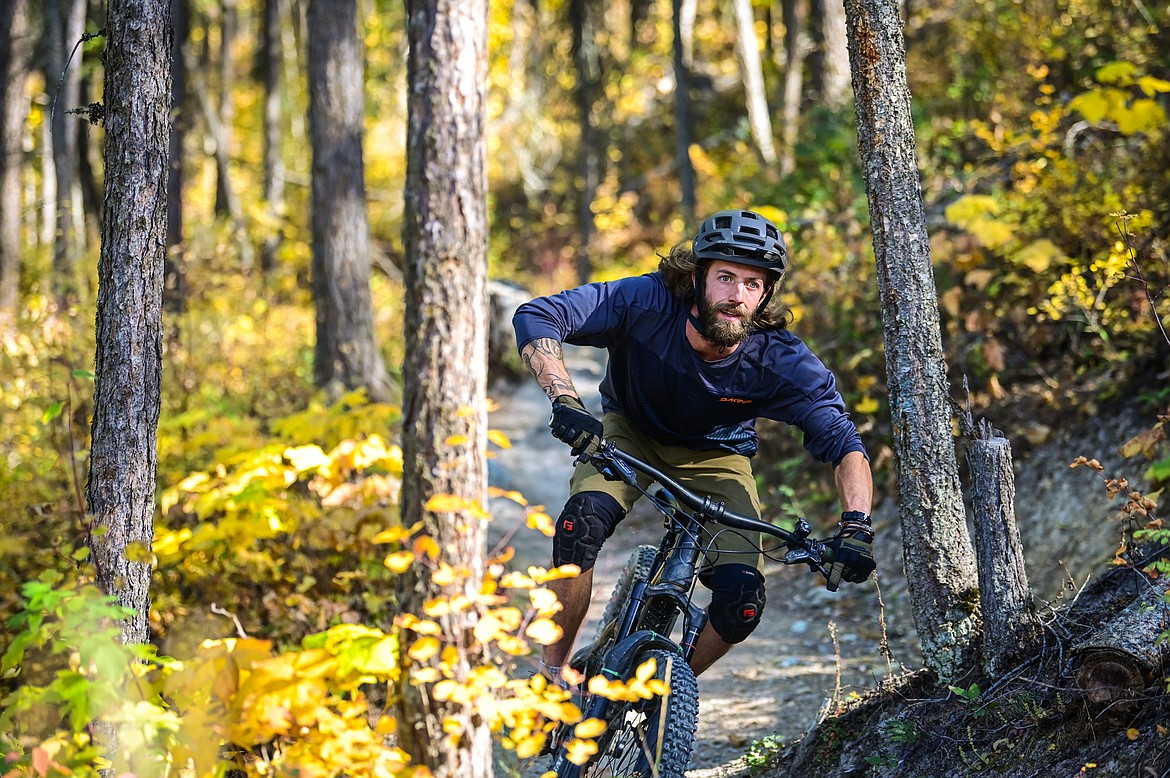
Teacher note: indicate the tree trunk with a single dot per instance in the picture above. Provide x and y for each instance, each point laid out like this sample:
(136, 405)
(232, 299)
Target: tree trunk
(347, 352)
(1011, 629)
(752, 74)
(445, 236)
(224, 109)
(272, 63)
(1124, 656)
(128, 366)
(834, 71)
(795, 18)
(587, 61)
(683, 126)
(227, 199)
(15, 45)
(64, 25)
(940, 563)
(174, 273)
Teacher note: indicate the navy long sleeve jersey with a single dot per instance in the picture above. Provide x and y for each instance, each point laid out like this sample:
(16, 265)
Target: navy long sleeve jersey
(655, 378)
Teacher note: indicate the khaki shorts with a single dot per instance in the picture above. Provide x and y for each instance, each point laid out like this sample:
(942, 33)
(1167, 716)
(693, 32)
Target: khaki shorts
(721, 474)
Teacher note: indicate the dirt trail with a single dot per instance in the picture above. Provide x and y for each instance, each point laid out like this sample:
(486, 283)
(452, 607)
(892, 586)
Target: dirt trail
(775, 683)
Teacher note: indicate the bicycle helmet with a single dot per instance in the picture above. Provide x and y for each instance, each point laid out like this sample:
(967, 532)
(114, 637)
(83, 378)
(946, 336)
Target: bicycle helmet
(743, 237)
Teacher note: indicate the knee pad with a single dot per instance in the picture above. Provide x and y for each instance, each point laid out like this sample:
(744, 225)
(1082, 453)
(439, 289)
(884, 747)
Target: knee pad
(737, 600)
(587, 521)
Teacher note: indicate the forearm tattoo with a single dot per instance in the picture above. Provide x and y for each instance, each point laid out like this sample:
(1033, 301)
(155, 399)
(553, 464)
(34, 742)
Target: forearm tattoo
(546, 360)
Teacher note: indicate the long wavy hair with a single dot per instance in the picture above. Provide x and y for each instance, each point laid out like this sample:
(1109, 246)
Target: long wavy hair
(678, 269)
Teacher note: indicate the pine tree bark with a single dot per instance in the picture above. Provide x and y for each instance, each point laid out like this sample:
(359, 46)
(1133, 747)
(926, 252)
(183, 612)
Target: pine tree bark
(587, 61)
(15, 46)
(347, 352)
(940, 562)
(128, 365)
(445, 366)
(1011, 628)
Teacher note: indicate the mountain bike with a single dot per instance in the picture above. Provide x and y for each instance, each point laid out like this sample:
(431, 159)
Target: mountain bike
(652, 737)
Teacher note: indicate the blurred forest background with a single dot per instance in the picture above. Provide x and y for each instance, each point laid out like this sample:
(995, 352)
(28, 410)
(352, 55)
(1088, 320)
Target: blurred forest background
(1044, 149)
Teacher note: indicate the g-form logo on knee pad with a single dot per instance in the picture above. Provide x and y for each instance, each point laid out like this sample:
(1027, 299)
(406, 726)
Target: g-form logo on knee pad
(567, 525)
(748, 613)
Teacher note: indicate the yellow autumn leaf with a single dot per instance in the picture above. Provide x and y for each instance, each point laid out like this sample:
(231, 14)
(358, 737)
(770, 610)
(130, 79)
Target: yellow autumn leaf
(530, 746)
(399, 561)
(423, 649)
(457, 440)
(541, 522)
(867, 405)
(499, 438)
(580, 751)
(427, 546)
(514, 496)
(446, 503)
(513, 646)
(444, 576)
(516, 580)
(1039, 255)
(396, 534)
(306, 457)
(544, 632)
(541, 575)
(1133, 733)
(589, 728)
(545, 601)
(1140, 116)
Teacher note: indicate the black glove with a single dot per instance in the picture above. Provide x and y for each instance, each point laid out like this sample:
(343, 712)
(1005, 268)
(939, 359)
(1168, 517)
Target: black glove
(850, 558)
(571, 423)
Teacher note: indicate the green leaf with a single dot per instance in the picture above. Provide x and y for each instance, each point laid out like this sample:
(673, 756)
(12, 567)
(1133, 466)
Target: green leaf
(86, 374)
(52, 412)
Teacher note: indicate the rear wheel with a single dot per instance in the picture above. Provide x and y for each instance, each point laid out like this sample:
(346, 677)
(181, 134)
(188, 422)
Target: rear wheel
(651, 737)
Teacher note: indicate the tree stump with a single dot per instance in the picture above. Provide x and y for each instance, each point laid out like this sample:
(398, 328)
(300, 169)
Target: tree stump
(1011, 628)
(1123, 656)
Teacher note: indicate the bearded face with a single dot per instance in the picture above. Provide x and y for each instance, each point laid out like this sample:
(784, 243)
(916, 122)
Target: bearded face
(724, 325)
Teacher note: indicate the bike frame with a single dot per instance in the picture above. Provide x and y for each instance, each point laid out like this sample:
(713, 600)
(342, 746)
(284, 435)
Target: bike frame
(668, 591)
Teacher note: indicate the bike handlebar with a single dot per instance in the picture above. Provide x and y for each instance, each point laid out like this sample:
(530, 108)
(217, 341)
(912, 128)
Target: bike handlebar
(616, 464)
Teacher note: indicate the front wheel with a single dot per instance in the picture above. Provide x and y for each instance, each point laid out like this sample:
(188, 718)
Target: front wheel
(651, 737)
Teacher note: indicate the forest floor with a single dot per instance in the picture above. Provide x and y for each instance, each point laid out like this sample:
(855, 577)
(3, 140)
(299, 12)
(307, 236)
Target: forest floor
(769, 708)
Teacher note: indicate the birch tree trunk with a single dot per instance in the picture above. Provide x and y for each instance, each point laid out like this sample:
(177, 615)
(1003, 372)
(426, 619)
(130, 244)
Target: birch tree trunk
(748, 49)
(940, 562)
(795, 49)
(128, 365)
(683, 129)
(445, 365)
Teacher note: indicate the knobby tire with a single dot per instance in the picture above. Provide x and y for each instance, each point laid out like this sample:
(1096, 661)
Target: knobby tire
(631, 745)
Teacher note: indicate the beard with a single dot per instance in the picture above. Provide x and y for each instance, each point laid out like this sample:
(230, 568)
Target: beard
(724, 332)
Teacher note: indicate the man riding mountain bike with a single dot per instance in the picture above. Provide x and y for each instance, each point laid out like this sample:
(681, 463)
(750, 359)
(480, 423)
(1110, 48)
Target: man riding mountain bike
(697, 352)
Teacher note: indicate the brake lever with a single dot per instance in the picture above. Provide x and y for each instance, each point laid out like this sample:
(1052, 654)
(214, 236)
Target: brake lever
(610, 467)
